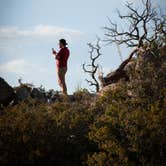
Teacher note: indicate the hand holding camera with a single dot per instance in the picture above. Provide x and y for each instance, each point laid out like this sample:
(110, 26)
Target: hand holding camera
(53, 51)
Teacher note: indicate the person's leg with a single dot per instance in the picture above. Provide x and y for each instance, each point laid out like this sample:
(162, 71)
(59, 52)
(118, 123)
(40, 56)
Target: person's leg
(59, 74)
(64, 87)
(61, 79)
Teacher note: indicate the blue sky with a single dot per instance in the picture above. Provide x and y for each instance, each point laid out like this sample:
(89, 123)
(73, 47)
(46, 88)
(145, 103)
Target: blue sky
(30, 28)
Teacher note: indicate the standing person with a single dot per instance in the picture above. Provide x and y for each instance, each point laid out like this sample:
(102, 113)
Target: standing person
(61, 63)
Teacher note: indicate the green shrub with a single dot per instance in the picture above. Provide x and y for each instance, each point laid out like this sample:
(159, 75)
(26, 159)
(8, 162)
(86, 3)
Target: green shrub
(131, 127)
(126, 126)
(33, 133)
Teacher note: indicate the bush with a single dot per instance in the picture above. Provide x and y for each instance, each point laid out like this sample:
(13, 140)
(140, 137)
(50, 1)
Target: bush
(33, 133)
(131, 128)
(125, 126)
(129, 135)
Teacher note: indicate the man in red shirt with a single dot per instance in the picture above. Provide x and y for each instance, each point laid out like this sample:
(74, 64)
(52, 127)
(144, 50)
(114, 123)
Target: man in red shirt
(61, 63)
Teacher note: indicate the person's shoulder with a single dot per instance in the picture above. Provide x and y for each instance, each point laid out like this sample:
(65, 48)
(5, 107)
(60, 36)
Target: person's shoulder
(61, 49)
(67, 49)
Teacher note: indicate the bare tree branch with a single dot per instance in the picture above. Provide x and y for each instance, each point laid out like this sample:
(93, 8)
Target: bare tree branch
(145, 28)
(93, 67)
(139, 23)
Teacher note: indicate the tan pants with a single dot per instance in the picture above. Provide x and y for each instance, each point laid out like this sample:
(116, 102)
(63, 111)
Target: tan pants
(61, 72)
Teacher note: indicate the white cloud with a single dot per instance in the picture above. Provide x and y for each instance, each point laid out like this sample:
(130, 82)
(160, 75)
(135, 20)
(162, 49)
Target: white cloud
(16, 37)
(18, 66)
(23, 67)
(39, 31)
(51, 31)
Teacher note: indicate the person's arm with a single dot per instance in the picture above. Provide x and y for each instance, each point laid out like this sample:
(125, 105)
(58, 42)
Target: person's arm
(58, 55)
(54, 52)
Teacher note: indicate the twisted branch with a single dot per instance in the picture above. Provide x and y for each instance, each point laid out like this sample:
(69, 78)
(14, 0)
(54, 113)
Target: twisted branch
(93, 67)
(139, 23)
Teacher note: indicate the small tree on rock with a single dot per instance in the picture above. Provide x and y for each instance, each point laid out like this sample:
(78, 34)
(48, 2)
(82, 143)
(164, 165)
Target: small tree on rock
(92, 68)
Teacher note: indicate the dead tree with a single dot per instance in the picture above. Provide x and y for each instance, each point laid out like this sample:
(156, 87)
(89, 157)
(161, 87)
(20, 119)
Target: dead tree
(144, 26)
(93, 67)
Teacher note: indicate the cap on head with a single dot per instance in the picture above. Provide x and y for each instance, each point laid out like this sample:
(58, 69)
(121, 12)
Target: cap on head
(63, 41)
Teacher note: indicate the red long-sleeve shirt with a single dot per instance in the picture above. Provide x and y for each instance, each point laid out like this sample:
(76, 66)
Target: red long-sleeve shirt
(62, 57)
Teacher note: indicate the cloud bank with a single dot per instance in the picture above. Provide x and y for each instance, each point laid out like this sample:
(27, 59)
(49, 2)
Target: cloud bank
(14, 37)
(39, 31)
(18, 66)
(22, 67)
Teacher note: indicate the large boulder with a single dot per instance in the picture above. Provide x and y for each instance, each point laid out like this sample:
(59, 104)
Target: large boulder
(6, 93)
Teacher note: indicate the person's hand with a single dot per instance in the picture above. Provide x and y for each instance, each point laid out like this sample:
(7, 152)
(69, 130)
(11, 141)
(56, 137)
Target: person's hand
(53, 51)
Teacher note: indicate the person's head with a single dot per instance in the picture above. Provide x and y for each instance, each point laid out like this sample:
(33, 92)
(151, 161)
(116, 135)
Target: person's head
(62, 43)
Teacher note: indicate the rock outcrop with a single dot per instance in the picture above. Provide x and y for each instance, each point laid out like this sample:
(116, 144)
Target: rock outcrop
(119, 74)
(133, 69)
(6, 93)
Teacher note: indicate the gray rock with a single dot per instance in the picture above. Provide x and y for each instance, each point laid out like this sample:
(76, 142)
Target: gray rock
(6, 93)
